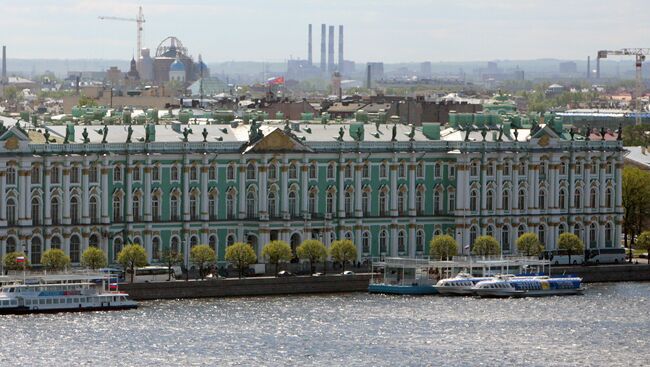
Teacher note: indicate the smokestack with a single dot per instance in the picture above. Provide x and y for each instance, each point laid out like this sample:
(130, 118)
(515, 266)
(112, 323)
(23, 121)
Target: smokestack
(330, 50)
(341, 61)
(309, 47)
(322, 48)
(588, 67)
(4, 64)
(368, 84)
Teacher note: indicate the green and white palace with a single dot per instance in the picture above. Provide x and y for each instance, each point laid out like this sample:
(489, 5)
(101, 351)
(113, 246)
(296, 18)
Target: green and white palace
(389, 188)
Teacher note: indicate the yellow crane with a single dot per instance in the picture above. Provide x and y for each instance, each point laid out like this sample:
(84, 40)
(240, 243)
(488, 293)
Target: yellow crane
(639, 54)
(139, 20)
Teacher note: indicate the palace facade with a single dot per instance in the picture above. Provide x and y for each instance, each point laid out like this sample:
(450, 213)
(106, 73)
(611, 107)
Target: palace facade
(389, 188)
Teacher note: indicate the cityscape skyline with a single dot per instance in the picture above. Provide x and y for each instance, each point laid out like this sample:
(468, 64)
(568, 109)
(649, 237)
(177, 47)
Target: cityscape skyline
(375, 31)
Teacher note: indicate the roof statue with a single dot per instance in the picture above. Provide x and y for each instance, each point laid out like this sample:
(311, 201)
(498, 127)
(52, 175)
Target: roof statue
(516, 133)
(572, 133)
(287, 127)
(500, 138)
(620, 132)
(467, 131)
(341, 134)
(254, 132)
(46, 135)
(588, 132)
(85, 136)
(411, 134)
(104, 134)
(394, 137)
(186, 132)
(129, 133)
(602, 133)
(205, 134)
(483, 133)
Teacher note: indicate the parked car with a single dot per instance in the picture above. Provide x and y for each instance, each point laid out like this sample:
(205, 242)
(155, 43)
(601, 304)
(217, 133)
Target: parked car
(347, 272)
(285, 273)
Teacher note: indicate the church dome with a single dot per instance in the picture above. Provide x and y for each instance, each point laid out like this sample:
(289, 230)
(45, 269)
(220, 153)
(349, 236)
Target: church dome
(177, 65)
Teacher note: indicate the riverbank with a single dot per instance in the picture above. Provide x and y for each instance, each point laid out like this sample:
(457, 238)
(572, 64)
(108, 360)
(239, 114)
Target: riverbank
(607, 273)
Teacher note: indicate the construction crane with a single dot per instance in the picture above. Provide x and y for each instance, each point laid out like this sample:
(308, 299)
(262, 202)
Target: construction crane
(639, 54)
(139, 20)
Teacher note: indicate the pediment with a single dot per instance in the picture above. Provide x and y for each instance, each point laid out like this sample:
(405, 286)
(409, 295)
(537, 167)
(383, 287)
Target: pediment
(277, 141)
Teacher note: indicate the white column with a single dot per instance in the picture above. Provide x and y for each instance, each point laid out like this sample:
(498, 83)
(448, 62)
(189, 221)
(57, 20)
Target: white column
(304, 187)
(262, 179)
(147, 239)
(483, 190)
(186, 191)
(358, 193)
(411, 204)
(46, 193)
(106, 201)
(341, 190)
(3, 191)
(499, 193)
(128, 190)
(393, 188)
(204, 191)
(24, 199)
(85, 193)
(66, 195)
(147, 195)
(242, 188)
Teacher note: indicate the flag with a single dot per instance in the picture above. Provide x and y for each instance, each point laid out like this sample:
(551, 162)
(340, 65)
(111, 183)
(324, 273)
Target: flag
(20, 259)
(275, 80)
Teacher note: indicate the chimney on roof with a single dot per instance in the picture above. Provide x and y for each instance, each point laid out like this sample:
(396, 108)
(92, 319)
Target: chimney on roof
(4, 65)
(322, 47)
(330, 50)
(309, 46)
(341, 61)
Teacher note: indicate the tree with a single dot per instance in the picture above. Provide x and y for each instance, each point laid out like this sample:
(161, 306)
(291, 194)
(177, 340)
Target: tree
(643, 242)
(93, 258)
(202, 256)
(636, 202)
(313, 250)
(443, 247)
(171, 258)
(485, 246)
(277, 251)
(55, 260)
(343, 251)
(87, 102)
(11, 263)
(241, 255)
(131, 257)
(571, 243)
(528, 244)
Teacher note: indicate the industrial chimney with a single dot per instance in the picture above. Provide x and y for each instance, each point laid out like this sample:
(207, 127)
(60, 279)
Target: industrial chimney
(341, 61)
(4, 65)
(588, 67)
(322, 48)
(330, 50)
(309, 47)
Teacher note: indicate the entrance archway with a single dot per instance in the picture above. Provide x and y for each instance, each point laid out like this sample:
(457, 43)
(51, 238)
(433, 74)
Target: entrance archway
(296, 239)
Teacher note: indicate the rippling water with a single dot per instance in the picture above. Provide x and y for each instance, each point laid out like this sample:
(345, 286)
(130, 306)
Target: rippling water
(609, 326)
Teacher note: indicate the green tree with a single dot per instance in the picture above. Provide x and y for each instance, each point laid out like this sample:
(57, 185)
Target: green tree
(202, 256)
(171, 258)
(93, 258)
(571, 243)
(131, 257)
(11, 263)
(443, 247)
(636, 203)
(55, 260)
(313, 250)
(241, 255)
(87, 102)
(343, 251)
(276, 251)
(485, 246)
(529, 244)
(643, 242)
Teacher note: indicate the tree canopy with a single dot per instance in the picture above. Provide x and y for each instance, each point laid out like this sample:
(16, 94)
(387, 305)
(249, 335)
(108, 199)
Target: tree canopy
(643, 242)
(55, 260)
(343, 251)
(171, 258)
(11, 263)
(312, 250)
(443, 247)
(93, 258)
(277, 251)
(131, 257)
(485, 246)
(241, 255)
(636, 200)
(202, 256)
(529, 245)
(571, 243)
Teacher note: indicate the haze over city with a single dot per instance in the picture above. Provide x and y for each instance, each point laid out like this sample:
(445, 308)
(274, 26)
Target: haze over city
(257, 30)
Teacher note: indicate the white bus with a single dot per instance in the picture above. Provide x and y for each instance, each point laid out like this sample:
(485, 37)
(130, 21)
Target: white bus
(155, 274)
(561, 257)
(606, 256)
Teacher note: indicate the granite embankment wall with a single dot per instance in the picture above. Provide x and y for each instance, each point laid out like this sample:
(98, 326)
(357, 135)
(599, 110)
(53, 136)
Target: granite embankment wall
(233, 287)
(607, 273)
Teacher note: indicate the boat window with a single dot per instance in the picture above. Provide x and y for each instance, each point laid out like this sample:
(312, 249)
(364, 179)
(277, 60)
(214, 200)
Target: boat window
(69, 300)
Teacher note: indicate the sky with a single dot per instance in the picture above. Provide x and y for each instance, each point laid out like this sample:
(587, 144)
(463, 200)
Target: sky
(375, 30)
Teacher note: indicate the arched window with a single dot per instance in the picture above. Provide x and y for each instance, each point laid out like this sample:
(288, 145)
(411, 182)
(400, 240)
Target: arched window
(562, 199)
(521, 230)
(542, 199)
(609, 235)
(135, 202)
(55, 242)
(419, 241)
(55, 212)
(117, 247)
(75, 249)
(505, 239)
(194, 207)
(419, 202)
(330, 171)
(348, 171)
(473, 200)
(212, 242)
(419, 170)
(36, 174)
(194, 240)
(490, 200)
(401, 242)
(273, 205)
(577, 199)
(401, 202)
(474, 168)
(593, 236)
(329, 202)
(230, 239)
(251, 172)
(563, 168)
(437, 170)
(383, 170)
(349, 208)
(93, 210)
(561, 228)
(293, 172)
(230, 206)
(117, 209)
(489, 231)
(383, 248)
(155, 248)
(541, 234)
(93, 240)
(175, 246)
(383, 203)
(437, 203)
(12, 217)
(230, 172)
(365, 242)
(273, 172)
(251, 205)
(593, 201)
(155, 208)
(505, 200)
(54, 175)
(11, 176)
(365, 203)
(194, 173)
(212, 206)
(174, 209)
(11, 244)
(36, 250)
(312, 203)
(36, 212)
(609, 202)
(577, 230)
(473, 233)
(451, 198)
(74, 210)
(313, 171)
(521, 203)
(293, 204)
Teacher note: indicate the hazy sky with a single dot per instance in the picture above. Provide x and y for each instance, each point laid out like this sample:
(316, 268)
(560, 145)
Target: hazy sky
(275, 30)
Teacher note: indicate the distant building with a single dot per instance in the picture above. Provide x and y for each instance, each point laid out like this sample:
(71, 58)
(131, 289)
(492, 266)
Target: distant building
(177, 71)
(568, 67)
(375, 71)
(425, 69)
(146, 65)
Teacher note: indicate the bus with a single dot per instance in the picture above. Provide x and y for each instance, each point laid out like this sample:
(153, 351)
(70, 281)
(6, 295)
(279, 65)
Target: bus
(155, 274)
(561, 257)
(605, 255)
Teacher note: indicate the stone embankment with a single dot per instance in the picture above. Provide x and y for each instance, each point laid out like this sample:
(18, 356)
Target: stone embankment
(607, 273)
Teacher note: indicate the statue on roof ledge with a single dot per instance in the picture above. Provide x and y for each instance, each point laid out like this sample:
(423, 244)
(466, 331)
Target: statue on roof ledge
(85, 136)
(572, 133)
(105, 134)
(341, 134)
(588, 133)
(602, 133)
(394, 137)
(186, 132)
(46, 135)
(129, 133)
(205, 134)
(412, 133)
(619, 137)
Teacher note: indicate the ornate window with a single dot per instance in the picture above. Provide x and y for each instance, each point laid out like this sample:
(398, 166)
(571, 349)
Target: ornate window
(251, 172)
(473, 200)
(313, 171)
(293, 171)
(36, 174)
(174, 173)
(36, 212)
(11, 175)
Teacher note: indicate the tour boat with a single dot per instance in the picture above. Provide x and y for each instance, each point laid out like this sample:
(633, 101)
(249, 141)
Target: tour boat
(404, 276)
(501, 286)
(460, 285)
(62, 294)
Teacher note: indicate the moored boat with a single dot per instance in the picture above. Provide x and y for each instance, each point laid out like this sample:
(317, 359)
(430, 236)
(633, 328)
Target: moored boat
(460, 285)
(528, 287)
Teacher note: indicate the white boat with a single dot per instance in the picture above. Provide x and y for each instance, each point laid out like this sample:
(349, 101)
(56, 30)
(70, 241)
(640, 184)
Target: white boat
(61, 294)
(508, 286)
(460, 285)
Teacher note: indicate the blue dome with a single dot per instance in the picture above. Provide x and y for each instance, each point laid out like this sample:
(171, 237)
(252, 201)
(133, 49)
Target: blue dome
(177, 66)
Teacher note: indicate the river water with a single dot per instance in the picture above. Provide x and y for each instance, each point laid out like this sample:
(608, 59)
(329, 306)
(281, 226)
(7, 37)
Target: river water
(608, 326)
